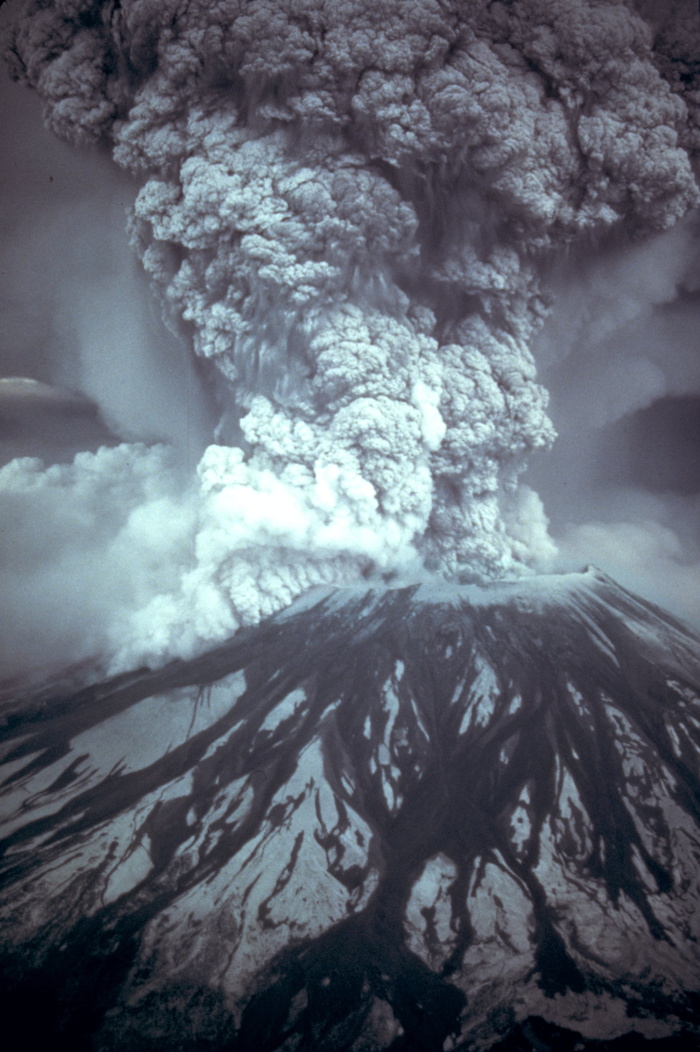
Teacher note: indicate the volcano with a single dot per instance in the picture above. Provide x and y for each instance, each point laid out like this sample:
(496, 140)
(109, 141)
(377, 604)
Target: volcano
(426, 817)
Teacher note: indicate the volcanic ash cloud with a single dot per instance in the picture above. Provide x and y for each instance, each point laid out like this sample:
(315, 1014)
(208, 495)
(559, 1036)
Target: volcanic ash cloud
(345, 207)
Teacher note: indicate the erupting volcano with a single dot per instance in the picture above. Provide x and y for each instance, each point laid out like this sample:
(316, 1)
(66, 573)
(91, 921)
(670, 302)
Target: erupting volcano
(306, 747)
(405, 819)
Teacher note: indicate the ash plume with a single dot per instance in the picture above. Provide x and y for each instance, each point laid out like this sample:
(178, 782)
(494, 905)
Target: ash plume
(348, 208)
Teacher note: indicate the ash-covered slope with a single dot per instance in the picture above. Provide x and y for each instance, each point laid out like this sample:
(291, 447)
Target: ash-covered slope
(409, 819)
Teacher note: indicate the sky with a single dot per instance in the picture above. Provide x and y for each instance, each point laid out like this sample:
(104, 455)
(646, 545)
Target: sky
(149, 379)
(620, 358)
(77, 312)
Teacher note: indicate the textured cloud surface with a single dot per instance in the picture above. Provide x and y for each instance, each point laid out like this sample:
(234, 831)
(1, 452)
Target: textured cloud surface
(347, 208)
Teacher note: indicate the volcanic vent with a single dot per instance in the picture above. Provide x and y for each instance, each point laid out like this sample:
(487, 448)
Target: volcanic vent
(406, 818)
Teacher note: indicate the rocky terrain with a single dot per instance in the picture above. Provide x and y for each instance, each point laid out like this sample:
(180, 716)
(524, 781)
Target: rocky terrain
(426, 817)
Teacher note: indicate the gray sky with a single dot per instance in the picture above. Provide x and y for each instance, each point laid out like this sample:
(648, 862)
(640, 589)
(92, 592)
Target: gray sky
(76, 309)
(620, 356)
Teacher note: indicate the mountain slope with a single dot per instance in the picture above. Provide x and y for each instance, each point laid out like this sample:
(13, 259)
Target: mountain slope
(406, 818)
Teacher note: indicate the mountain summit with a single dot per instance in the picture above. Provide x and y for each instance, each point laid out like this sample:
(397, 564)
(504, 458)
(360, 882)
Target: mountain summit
(428, 817)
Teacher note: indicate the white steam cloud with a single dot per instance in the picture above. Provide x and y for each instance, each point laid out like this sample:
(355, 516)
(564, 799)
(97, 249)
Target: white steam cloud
(350, 210)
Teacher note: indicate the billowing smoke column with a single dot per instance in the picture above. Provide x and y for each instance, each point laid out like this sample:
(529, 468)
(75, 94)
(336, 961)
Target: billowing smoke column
(346, 205)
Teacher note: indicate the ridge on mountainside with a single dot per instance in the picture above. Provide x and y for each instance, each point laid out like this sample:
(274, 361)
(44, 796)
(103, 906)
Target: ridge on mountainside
(428, 817)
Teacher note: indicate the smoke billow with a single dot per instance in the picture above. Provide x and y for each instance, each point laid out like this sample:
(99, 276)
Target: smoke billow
(348, 209)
